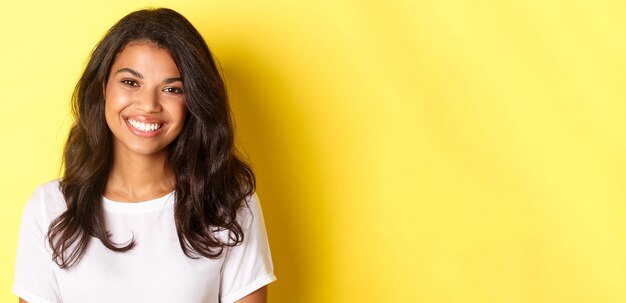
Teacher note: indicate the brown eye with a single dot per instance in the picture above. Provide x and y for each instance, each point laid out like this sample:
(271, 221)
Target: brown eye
(173, 90)
(129, 82)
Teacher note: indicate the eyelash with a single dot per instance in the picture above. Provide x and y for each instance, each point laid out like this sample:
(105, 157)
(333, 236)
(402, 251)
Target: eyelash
(129, 82)
(173, 90)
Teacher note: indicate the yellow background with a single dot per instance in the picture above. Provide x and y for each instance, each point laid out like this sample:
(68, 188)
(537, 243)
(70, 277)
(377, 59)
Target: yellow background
(406, 151)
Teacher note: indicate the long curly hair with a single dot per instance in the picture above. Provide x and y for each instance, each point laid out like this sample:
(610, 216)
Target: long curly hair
(212, 181)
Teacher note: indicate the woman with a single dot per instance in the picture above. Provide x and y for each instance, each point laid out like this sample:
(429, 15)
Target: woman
(154, 204)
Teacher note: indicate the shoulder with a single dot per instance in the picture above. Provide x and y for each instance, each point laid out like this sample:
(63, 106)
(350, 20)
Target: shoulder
(250, 215)
(252, 202)
(46, 202)
(249, 209)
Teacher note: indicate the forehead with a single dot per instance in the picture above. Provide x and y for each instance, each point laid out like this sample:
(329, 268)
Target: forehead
(145, 57)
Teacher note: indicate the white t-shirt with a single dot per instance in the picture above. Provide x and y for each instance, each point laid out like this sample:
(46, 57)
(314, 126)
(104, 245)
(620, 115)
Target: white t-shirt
(155, 270)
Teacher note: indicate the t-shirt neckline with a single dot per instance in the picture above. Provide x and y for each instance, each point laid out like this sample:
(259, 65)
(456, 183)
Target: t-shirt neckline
(133, 207)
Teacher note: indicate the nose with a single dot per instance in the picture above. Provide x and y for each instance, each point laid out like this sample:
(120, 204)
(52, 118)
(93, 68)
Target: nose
(148, 101)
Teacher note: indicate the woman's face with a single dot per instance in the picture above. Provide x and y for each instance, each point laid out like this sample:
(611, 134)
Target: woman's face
(144, 101)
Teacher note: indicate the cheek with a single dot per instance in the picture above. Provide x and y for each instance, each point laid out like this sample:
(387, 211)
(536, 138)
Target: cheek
(184, 112)
(114, 102)
(179, 112)
(112, 97)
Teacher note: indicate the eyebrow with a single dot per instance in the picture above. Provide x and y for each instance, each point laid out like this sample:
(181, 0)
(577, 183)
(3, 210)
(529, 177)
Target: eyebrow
(131, 71)
(172, 80)
(140, 76)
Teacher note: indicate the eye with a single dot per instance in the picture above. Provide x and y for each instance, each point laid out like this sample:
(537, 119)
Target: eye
(129, 82)
(173, 90)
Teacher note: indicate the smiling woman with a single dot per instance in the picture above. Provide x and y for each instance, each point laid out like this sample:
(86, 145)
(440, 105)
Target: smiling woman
(144, 99)
(154, 204)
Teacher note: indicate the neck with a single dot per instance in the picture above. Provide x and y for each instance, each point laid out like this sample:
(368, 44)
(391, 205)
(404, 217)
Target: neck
(134, 177)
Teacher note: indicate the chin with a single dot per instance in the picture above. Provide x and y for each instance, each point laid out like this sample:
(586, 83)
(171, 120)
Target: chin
(146, 150)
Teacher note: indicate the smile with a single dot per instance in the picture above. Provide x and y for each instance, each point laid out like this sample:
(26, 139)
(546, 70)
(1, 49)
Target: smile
(144, 129)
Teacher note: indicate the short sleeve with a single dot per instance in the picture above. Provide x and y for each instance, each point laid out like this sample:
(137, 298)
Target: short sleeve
(35, 280)
(247, 266)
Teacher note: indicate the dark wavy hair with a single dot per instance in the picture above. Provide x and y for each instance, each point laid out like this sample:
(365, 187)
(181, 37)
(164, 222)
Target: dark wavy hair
(212, 182)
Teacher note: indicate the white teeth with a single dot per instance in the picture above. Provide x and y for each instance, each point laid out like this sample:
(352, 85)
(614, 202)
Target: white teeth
(144, 127)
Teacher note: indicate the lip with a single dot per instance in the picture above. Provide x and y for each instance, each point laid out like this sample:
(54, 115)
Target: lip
(142, 134)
